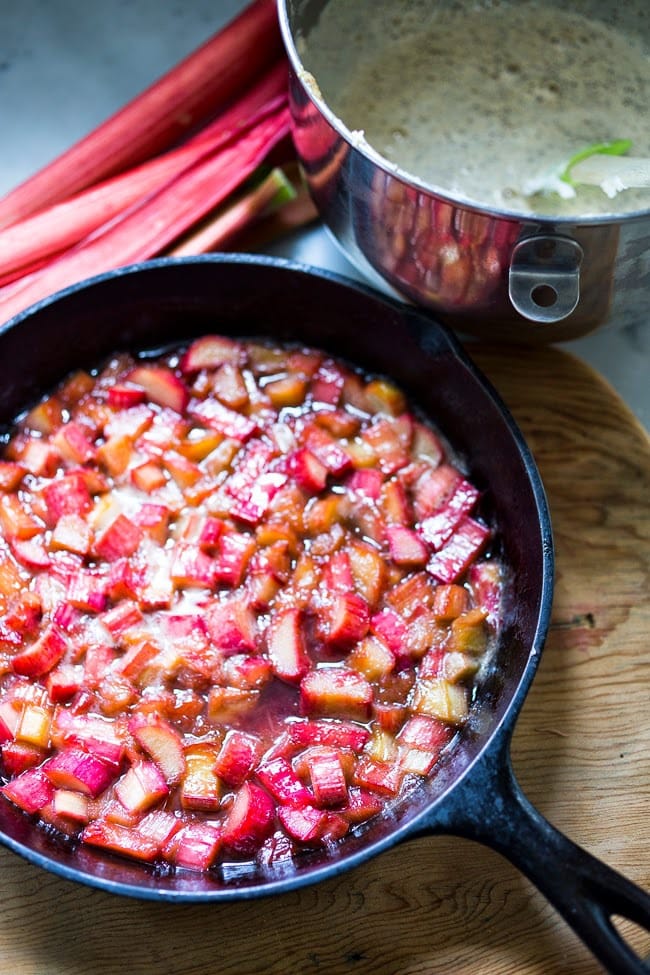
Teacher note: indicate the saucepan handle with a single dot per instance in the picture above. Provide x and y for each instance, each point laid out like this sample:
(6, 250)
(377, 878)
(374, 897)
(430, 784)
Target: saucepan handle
(491, 808)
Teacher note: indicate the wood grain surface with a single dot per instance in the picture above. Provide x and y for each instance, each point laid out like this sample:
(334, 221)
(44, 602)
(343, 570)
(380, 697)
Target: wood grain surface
(443, 905)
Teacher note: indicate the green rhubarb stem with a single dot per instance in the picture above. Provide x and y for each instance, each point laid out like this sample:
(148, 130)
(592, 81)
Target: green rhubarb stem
(266, 196)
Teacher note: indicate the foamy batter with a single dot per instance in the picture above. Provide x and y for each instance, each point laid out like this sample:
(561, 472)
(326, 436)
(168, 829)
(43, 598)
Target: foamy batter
(481, 99)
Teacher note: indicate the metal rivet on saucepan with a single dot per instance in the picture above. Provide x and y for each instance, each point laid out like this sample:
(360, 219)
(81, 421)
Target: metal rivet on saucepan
(544, 278)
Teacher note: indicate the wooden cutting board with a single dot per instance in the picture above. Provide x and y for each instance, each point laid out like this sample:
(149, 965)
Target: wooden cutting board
(443, 905)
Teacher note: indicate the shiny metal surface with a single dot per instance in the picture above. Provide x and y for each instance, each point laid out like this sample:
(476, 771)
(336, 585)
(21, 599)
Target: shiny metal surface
(462, 261)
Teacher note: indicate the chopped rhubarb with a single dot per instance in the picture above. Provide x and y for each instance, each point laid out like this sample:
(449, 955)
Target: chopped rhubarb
(243, 604)
(279, 778)
(336, 691)
(210, 352)
(31, 790)
(121, 538)
(195, 846)
(141, 787)
(224, 420)
(67, 496)
(336, 734)
(437, 528)
(306, 824)
(346, 620)
(286, 646)
(162, 743)
(405, 546)
(80, 771)
(161, 386)
(238, 757)
(120, 839)
(41, 656)
(250, 819)
(200, 787)
(232, 626)
(327, 777)
(307, 470)
(451, 561)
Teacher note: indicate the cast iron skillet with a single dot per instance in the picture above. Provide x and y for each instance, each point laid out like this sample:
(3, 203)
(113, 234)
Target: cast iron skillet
(475, 795)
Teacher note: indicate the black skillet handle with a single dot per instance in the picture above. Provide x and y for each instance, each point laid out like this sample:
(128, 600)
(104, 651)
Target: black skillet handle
(489, 806)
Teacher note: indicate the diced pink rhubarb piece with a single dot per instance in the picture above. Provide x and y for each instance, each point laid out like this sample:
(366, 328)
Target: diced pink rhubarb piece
(328, 451)
(124, 840)
(286, 646)
(337, 574)
(454, 558)
(362, 805)
(337, 692)
(30, 791)
(87, 591)
(305, 824)
(307, 470)
(73, 443)
(161, 385)
(327, 777)
(9, 717)
(367, 482)
(327, 384)
(31, 552)
(233, 555)
(232, 626)
(209, 352)
(237, 757)
(405, 546)
(192, 566)
(421, 731)
(221, 418)
(75, 769)
(432, 489)
(210, 533)
(392, 629)
(250, 819)
(439, 527)
(159, 826)
(486, 581)
(195, 846)
(282, 782)
(141, 787)
(71, 805)
(122, 617)
(337, 734)
(64, 682)
(121, 396)
(119, 540)
(347, 620)
(162, 743)
(381, 777)
(67, 495)
(251, 505)
(41, 656)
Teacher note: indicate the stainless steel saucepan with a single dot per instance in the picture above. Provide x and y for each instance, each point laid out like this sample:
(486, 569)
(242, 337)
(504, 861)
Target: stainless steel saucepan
(483, 270)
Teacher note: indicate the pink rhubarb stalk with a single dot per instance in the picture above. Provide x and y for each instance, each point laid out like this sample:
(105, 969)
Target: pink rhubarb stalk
(147, 229)
(175, 104)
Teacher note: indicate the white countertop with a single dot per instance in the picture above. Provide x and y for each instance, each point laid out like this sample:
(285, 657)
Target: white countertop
(67, 65)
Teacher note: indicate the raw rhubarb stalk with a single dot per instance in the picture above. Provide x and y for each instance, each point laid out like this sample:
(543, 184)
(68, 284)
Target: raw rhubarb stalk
(147, 229)
(274, 190)
(174, 105)
(24, 246)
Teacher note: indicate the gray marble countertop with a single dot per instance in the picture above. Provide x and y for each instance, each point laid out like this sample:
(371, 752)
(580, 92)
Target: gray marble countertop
(66, 65)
